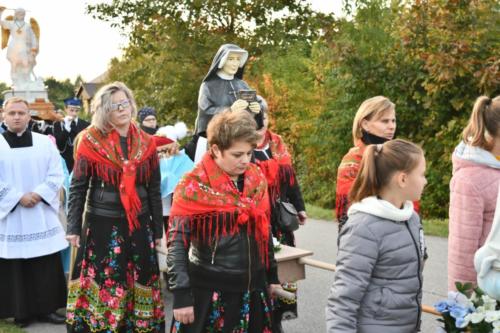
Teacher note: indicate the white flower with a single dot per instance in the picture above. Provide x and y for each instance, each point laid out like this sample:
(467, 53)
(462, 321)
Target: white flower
(496, 324)
(492, 316)
(480, 309)
(489, 303)
(476, 317)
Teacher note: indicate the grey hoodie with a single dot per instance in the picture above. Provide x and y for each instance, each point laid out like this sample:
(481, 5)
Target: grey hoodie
(217, 93)
(378, 281)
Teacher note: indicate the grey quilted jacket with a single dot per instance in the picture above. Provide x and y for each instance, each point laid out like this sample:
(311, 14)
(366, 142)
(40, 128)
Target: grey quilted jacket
(378, 282)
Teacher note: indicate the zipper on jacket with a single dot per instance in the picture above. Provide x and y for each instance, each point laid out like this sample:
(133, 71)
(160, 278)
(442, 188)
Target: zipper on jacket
(101, 193)
(249, 264)
(418, 275)
(214, 249)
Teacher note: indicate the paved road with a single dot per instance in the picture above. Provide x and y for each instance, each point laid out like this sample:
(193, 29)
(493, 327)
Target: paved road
(320, 237)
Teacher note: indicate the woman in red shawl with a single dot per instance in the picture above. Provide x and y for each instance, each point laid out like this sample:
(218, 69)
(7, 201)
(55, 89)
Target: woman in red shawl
(275, 161)
(220, 256)
(114, 286)
(374, 123)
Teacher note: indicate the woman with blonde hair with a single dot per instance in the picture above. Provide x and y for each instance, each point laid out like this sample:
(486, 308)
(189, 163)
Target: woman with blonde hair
(374, 123)
(115, 191)
(473, 189)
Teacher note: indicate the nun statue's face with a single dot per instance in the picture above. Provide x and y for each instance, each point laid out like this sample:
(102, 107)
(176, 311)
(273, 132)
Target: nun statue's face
(232, 63)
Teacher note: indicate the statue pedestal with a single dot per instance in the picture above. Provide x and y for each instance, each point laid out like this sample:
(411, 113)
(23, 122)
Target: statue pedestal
(29, 95)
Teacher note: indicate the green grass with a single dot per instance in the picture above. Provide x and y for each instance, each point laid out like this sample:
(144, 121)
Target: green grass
(318, 213)
(7, 327)
(436, 227)
(432, 226)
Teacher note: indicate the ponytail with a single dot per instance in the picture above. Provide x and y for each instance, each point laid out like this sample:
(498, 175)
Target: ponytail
(484, 123)
(379, 164)
(366, 183)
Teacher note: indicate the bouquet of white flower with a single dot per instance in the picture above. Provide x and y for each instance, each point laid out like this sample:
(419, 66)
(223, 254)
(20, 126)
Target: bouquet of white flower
(469, 310)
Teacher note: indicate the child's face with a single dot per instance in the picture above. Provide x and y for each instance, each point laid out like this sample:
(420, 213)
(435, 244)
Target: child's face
(412, 184)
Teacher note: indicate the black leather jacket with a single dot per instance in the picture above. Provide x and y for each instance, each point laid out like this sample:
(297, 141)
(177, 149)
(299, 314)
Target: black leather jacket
(228, 263)
(93, 195)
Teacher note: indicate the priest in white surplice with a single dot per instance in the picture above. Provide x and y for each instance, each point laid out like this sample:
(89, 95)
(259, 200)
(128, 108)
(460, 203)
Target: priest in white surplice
(32, 282)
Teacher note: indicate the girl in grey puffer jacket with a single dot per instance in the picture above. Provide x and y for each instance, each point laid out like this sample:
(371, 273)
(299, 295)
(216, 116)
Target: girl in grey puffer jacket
(378, 282)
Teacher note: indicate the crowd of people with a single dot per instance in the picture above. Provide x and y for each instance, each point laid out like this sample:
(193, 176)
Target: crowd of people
(224, 216)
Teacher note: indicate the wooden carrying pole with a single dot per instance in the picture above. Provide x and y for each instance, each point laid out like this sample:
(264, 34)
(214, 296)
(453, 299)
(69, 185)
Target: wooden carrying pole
(320, 265)
(331, 267)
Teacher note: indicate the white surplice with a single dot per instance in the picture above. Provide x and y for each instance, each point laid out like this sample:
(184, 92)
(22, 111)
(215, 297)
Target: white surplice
(30, 232)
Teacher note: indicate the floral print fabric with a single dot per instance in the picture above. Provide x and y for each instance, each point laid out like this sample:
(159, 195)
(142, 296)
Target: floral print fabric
(115, 285)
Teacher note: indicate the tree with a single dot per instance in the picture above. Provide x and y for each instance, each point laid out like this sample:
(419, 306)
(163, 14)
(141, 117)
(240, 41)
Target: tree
(432, 58)
(172, 43)
(59, 91)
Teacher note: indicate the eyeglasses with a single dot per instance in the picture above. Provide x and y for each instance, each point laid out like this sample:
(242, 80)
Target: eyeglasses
(125, 104)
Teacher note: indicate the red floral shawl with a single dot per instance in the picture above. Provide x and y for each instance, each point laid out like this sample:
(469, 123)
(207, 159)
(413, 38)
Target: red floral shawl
(279, 168)
(101, 155)
(346, 174)
(207, 198)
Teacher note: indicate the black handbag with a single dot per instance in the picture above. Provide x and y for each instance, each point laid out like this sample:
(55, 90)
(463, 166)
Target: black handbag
(288, 219)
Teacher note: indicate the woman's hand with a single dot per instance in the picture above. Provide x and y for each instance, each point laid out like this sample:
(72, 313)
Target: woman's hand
(271, 289)
(254, 107)
(302, 217)
(74, 240)
(239, 105)
(184, 315)
(158, 242)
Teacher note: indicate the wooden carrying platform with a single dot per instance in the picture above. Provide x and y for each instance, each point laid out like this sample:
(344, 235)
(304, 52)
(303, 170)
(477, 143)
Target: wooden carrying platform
(290, 268)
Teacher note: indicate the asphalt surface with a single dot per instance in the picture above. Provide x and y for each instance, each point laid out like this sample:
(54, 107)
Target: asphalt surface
(320, 237)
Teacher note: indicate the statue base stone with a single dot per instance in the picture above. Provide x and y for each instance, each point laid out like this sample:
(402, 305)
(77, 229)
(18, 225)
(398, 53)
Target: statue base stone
(29, 95)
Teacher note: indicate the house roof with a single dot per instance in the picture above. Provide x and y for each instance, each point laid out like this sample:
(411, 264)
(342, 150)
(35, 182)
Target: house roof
(87, 90)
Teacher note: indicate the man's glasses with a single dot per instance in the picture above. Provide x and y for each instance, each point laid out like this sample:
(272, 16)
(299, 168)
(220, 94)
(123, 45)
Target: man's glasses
(123, 105)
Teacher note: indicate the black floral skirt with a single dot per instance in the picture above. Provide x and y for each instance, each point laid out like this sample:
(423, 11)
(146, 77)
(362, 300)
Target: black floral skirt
(228, 312)
(115, 285)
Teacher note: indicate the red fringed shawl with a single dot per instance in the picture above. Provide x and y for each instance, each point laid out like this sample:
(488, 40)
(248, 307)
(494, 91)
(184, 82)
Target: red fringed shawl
(101, 155)
(279, 168)
(209, 201)
(346, 174)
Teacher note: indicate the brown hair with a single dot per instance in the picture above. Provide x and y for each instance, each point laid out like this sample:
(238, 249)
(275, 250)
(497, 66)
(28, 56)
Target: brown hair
(484, 123)
(15, 99)
(372, 108)
(379, 163)
(229, 126)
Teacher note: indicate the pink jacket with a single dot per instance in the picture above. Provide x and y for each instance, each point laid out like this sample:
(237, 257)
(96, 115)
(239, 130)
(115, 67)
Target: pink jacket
(473, 195)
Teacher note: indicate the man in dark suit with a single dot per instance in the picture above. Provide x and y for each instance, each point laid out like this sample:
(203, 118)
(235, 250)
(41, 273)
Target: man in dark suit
(66, 131)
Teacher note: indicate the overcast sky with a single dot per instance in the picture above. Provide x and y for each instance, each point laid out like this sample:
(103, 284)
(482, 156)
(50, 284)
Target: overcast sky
(72, 43)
